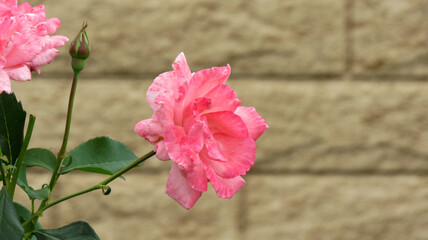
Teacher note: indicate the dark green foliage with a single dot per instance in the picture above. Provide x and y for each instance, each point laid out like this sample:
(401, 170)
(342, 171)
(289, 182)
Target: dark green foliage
(74, 231)
(12, 120)
(10, 226)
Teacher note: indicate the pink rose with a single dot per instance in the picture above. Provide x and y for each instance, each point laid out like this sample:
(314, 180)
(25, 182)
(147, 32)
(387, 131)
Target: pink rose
(24, 41)
(199, 125)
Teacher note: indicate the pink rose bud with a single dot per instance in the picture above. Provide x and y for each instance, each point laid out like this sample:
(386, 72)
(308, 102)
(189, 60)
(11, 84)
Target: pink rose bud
(80, 49)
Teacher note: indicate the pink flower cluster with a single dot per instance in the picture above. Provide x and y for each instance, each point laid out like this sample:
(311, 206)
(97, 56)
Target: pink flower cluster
(198, 123)
(24, 41)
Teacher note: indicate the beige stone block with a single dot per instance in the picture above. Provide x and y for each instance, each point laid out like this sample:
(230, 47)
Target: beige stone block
(138, 208)
(335, 208)
(391, 37)
(340, 126)
(314, 126)
(101, 108)
(132, 37)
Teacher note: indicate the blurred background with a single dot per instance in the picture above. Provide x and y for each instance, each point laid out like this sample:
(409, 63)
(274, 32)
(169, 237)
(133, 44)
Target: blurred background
(342, 84)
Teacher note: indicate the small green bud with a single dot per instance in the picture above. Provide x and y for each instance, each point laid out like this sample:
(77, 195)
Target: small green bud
(80, 49)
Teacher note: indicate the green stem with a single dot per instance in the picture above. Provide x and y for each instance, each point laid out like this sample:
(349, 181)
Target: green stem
(61, 153)
(22, 155)
(3, 176)
(69, 115)
(99, 185)
(105, 181)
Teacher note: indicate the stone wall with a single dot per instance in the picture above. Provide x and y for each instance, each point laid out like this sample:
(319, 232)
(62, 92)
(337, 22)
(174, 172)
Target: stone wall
(342, 84)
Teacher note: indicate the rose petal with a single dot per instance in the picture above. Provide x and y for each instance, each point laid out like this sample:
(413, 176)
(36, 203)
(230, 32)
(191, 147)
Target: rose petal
(179, 189)
(223, 98)
(2, 62)
(6, 24)
(5, 82)
(256, 125)
(35, 69)
(143, 129)
(44, 57)
(54, 41)
(163, 115)
(196, 175)
(204, 81)
(173, 143)
(25, 7)
(227, 123)
(192, 114)
(23, 53)
(10, 3)
(196, 137)
(182, 69)
(224, 187)
(239, 153)
(212, 146)
(19, 73)
(161, 152)
(180, 151)
(164, 83)
(49, 26)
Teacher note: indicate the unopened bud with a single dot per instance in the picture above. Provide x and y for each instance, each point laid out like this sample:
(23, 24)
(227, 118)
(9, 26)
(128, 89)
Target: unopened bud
(80, 49)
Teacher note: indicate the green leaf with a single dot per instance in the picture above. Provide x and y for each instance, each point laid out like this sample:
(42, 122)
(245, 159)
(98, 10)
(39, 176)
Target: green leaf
(10, 227)
(41, 194)
(12, 120)
(36, 157)
(23, 215)
(22, 176)
(74, 231)
(99, 155)
(40, 157)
